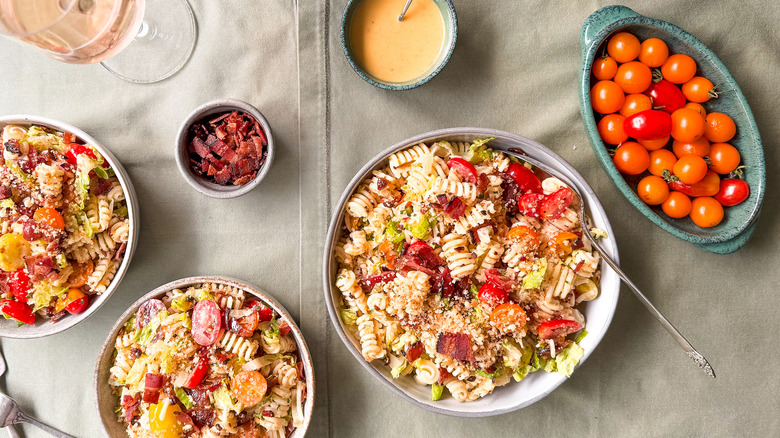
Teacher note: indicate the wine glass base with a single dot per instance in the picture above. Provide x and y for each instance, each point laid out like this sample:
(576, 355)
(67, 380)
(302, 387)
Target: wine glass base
(163, 45)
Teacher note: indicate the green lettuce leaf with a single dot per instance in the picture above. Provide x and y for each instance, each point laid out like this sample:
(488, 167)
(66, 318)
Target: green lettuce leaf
(436, 391)
(568, 358)
(121, 211)
(223, 400)
(184, 398)
(183, 303)
(581, 336)
(533, 280)
(480, 152)
(146, 334)
(394, 233)
(7, 203)
(44, 293)
(348, 316)
(41, 139)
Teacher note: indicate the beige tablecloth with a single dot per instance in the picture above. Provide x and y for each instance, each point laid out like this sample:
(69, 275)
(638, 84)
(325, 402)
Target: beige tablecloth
(515, 68)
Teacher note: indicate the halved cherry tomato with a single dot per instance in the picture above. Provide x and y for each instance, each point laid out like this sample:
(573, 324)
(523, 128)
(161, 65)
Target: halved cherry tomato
(655, 144)
(635, 103)
(652, 190)
(611, 129)
(687, 125)
(690, 169)
(264, 312)
(492, 295)
(77, 149)
(526, 180)
(732, 192)
(206, 322)
(68, 137)
(631, 158)
(623, 47)
(724, 158)
(679, 68)
(199, 372)
(530, 203)
(648, 125)
(49, 216)
(696, 107)
(660, 160)
(604, 68)
(19, 283)
(562, 243)
(699, 89)
(708, 186)
(633, 77)
(719, 127)
(706, 212)
(557, 327)
(244, 326)
(507, 314)
(249, 387)
(556, 203)
(523, 233)
(653, 52)
(666, 96)
(80, 274)
(606, 97)
(677, 205)
(18, 311)
(463, 168)
(75, 301)
(700, 147)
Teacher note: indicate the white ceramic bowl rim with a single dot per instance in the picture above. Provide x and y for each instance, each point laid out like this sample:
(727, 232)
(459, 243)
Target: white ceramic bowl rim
(203, 185)
(41, 326)
(610, 283)
(303, 349)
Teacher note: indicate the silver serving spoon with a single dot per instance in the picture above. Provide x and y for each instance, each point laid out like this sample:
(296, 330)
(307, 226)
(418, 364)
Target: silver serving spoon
(10, 414)
(406, 8)
(689, 350)
(3, 368)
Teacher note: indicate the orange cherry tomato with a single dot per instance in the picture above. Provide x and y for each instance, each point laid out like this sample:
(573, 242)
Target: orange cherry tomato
(631, 158)
(699, 89)
(660, 160)
(697, 107)
(604, 68)
(606, 97)
(635, 103)
(677, 205)
(655, 144)
(679, 69)
(249, 387)
(700, 147)
(653, 52)
(719, 128)
(687, 125)
(507, 314)
(49, 216)
(652, 190)
(611, 129)
(562, 242)
(633, 77)
(623, 47)
(724, 158)
(522, 233)
(706, 212)
(690, 169)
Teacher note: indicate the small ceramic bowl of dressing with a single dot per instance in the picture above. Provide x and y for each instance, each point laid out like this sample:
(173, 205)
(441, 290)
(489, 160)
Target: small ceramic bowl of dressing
(398, 55)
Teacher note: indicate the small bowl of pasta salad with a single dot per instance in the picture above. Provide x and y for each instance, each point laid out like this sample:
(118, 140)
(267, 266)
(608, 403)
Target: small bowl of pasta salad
(205, 357)
(459, 276)
(68, 223)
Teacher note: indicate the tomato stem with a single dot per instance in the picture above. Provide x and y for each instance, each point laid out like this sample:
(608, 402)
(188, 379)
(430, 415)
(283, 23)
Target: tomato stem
(668, 176)
(657, 75)
(713, 94)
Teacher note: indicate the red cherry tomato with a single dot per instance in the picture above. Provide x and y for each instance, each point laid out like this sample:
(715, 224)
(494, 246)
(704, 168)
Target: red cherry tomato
(530, 203)
(78, 302)
(556, 203)
(18, 311)
(732, 192)
(557, 328)
(708, 186)
(648, 125)
(206, 322)
(464, 169)
(425, 254)
(525, 178)
(492, 295)
(19, 283)
(77, 149)
(198, 372)
(264, 312)
(665, 95)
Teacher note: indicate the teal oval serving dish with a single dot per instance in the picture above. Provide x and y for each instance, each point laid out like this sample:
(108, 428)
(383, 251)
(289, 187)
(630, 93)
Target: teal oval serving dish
(739, 221)
(448, 46)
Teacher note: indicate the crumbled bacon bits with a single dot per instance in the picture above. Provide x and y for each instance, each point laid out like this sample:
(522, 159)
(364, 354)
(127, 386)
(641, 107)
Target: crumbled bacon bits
(456, 346)
(227, 149)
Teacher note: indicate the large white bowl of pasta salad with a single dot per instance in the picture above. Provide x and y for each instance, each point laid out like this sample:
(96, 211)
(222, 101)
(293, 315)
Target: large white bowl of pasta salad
(68, 225)
(205, 357)
(458, 275)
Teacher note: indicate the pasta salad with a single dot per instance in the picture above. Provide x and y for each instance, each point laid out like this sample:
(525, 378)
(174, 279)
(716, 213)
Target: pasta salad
(460, 267)
(64, 224)
(206, 362)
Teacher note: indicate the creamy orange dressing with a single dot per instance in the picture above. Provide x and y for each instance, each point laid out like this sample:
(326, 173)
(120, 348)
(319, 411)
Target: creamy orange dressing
(392, 50)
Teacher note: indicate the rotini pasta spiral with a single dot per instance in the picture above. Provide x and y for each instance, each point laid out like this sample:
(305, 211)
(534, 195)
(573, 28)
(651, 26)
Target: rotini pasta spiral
(459, 258)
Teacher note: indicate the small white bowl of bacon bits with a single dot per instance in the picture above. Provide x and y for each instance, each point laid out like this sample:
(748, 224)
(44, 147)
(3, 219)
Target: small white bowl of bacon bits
(69, 223)
(224, 148)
